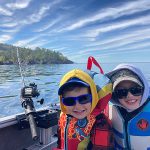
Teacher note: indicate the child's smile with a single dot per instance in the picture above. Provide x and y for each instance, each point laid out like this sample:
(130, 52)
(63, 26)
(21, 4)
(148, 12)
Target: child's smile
(78, 111)
(130, 101)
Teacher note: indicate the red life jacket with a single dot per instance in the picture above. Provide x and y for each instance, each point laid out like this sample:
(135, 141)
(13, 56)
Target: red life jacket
(101, 134)
(76, 137)
(97, 133)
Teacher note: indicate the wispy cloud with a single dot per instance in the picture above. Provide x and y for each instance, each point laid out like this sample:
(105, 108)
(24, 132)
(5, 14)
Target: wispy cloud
(119, 42)
(47, 26)
(130, 34)
(5, 12)
(38, 43)
(10, 24)
(109, 13)
(37, 16)
(25, 41)
(5, 38)
(68, 27)
(121, 53)
(116, 26)
(18, 4)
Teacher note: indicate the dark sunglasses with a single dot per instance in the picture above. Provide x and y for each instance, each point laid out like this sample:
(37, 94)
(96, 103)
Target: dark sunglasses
(122, 93)
(82, 99)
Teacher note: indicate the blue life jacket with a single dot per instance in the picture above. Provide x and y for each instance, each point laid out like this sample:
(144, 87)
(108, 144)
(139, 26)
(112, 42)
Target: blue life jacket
(133, 134)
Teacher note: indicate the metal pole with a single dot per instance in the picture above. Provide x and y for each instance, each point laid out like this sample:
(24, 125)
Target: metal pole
(18, 58)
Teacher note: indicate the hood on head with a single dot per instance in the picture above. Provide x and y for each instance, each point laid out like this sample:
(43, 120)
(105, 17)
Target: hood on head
(72, 81)
(124, 75)
(87, 78)
(131, 73)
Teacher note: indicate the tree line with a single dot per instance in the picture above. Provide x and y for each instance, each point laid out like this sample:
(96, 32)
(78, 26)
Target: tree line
(8, 55)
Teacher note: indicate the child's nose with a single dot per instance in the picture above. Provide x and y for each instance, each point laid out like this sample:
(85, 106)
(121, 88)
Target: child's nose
(78, 104)
(129, 94)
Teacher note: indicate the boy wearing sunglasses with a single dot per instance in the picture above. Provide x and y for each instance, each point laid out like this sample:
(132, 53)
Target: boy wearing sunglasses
(131, 109)
(83, 124)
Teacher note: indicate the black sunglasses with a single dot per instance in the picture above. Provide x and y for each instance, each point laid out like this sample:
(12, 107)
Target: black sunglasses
(122, 93)
(82, 99)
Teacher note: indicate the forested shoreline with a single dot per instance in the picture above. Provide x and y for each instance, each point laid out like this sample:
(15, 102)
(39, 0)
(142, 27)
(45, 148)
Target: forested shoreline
(8, 56)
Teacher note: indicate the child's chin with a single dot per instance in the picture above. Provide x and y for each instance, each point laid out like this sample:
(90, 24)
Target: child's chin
(79, 116)
(132, 107)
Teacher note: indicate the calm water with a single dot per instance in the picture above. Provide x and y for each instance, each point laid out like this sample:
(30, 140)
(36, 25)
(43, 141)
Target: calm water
(46, 77)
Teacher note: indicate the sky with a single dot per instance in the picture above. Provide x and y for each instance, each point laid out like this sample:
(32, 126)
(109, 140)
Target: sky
(109, 30)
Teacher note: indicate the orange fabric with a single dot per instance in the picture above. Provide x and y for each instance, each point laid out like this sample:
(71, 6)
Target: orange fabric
(75, 133)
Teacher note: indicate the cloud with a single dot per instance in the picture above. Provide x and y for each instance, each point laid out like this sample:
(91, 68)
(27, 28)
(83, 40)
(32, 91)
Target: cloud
(123, 52)
(131, 34)
(25, 42)
(134, 46)
(37, 16)
(5, 12)
(60, 48)
(111, 13)
(19, 4)
(10, 24)
(116, 26)
(5, 38)
(118, 42)
(47, 26)
(41, 13)
(36, 44)
(31, 42)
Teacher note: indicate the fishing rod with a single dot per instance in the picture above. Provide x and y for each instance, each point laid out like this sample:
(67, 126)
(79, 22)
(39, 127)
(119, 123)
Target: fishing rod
(20, 68)
(43, 119)
(27, 93)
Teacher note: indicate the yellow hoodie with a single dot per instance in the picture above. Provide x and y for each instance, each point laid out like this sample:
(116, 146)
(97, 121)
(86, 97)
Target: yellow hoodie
(78, 138)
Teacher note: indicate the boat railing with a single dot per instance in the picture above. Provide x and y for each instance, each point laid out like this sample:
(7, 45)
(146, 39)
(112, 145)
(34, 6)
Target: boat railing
(15, 132)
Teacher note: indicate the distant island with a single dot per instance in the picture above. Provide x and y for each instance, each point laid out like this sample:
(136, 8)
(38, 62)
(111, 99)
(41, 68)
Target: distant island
(8, 56)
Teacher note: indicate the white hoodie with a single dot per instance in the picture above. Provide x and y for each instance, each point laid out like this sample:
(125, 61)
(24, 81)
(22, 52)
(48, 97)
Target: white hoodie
(138, 72)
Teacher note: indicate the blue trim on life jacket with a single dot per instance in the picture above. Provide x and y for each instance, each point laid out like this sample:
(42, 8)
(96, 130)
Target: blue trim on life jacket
(137, 131)
(120, 135)
(117, 146)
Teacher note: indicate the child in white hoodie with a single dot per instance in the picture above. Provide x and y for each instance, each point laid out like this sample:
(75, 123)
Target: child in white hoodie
(131, 108)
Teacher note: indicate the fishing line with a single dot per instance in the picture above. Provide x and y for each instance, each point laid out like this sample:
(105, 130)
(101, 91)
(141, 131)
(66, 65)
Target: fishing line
(20, 68)
(27, 93)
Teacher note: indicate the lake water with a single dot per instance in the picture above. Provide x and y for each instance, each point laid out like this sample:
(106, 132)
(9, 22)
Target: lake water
(46, 77)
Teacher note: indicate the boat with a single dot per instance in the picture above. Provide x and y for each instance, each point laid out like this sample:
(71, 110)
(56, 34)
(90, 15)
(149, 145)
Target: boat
(33, 129)
(15, 132)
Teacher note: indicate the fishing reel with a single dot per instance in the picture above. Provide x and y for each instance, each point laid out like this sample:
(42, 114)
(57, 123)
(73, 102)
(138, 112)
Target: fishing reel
(27, 93)
(30, 91)
(32, 118)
